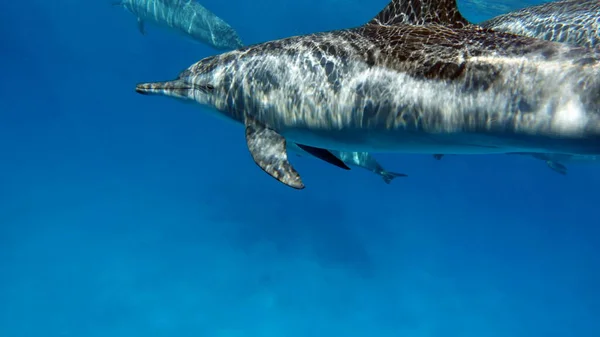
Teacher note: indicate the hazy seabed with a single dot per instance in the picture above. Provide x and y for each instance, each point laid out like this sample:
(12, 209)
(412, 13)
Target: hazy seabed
(133, 263)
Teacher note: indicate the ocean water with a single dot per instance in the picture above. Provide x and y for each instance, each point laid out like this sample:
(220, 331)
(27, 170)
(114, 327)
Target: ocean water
(126, 216)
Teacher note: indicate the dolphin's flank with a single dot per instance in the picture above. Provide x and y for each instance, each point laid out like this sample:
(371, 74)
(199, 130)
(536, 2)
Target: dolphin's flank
(417, 78)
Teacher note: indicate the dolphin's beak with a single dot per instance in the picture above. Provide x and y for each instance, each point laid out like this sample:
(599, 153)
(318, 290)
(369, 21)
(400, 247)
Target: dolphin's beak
(145, 88)
(176, 88)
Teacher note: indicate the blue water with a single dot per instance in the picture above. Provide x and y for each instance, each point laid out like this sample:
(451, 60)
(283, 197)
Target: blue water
(124, 216)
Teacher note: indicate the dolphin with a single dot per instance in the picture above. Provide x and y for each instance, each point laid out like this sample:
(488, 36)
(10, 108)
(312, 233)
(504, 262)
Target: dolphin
(358, 159)
(366, 161)
(556, 161)
(187, 17)
(417, 78)
(161, 11)
(575, 22)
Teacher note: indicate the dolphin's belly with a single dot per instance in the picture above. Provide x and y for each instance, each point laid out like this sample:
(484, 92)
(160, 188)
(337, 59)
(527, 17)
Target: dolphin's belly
(459, 143)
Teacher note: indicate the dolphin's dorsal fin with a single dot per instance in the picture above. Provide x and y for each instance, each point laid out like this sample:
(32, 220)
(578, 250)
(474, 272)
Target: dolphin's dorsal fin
(420, 12)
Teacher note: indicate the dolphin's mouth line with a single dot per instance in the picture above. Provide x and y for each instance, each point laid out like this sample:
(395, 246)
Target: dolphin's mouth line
(144, 90)
(166, 87)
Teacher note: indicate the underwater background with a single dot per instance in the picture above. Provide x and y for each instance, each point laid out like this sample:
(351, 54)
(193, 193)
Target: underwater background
(122, 215)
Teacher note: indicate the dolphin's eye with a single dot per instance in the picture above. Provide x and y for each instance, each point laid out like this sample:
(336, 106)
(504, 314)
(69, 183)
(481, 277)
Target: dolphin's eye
(206, 88)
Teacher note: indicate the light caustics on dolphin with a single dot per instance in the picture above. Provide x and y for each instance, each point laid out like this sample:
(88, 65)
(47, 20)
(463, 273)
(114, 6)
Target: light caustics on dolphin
(408, 81)
(192, 19)
(575, 22)
(187, 17)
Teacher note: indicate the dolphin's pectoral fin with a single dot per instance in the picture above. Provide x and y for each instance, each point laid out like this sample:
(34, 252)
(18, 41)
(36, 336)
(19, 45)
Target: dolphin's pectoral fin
(438, 156)
(389, 176)
(557, 167)
(141, 26)
(324, 155)
(268, 149)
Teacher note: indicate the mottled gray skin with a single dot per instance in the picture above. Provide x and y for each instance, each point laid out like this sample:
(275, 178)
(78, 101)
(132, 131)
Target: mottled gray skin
(408, 89)
(412, 81)
(576, 22)
(359, 159)
(187, 17)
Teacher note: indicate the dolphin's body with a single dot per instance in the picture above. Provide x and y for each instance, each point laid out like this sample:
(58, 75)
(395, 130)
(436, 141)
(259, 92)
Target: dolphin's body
(187, 17)
(366, 161)
(576, 22)
(556, 161)
(418, 78)
(358, 159)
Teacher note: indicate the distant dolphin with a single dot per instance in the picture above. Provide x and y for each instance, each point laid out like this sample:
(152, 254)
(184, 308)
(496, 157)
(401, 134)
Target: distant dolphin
(359, 159)
(557, 161)
(366, 161)
(575, 22)
(417, 78)
(187, 17)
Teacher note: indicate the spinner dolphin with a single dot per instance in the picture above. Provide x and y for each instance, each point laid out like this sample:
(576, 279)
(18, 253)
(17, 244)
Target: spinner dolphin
(575, 22)
(557, 161)
(359, 159)
(417, 78)
(187, 17)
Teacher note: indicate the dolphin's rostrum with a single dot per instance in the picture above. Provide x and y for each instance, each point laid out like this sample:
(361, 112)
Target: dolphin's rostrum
(417, 78)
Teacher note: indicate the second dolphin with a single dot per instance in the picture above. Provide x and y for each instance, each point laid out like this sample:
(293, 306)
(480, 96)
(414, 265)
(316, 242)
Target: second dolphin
(187, 17)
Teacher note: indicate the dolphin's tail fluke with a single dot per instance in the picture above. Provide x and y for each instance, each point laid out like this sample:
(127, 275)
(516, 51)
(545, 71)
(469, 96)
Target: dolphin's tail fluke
(389, 176)
(557, 167)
